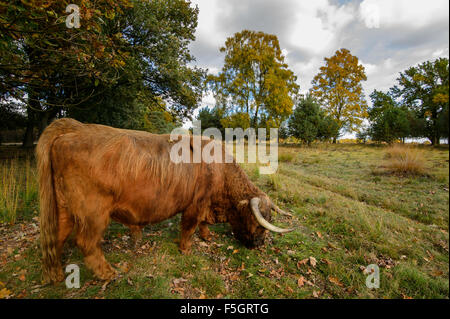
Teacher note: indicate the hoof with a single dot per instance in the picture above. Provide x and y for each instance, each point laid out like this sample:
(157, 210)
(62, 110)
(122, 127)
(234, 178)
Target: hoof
(186, 251)
(53, 276)
(206, 237)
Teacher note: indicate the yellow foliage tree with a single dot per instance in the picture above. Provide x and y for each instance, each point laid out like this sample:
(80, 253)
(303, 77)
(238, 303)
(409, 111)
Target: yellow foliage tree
(338, 88)
(255, 79)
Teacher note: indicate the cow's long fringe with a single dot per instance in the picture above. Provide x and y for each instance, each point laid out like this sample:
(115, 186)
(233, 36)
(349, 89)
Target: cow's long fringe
(52, 271)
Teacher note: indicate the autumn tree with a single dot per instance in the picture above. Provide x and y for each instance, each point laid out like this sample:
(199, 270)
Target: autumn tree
(255, 82)
(424, 89)
(338, 88)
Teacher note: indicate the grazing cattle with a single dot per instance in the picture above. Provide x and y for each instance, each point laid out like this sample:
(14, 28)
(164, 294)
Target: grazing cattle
(90, 174)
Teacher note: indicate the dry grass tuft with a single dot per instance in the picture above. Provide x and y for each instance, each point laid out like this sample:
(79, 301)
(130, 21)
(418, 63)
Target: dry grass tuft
(405, 160)
(286, 158)
(9, 192)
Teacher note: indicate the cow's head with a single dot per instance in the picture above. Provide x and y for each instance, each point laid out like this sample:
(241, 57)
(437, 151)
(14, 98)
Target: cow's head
(253, 221)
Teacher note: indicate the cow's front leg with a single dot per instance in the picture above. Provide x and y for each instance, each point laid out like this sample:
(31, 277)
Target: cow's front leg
(136, 234)
(189, 223)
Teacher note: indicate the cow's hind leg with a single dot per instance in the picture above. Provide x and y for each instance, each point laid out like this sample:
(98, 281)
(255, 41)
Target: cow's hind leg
(88, 239)
(65, 227)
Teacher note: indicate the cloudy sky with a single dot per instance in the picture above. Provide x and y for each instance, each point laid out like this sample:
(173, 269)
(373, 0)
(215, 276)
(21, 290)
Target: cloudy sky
(387, 36)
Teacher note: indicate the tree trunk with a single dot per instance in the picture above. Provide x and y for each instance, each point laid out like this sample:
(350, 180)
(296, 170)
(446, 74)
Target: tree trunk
(435, 140)
(32, 117)
(334, 140)
(43, 122)
(28, 138)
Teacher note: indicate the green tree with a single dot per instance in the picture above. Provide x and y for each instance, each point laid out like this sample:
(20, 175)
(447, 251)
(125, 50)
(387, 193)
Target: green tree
(388, 119)
(328, 128)
(338, 89)
(308, 122)
(255, 80)
(425, 90)
(211, 118)
(390, 125)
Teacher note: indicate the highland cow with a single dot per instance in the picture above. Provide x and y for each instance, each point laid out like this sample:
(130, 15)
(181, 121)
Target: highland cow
(90, 174)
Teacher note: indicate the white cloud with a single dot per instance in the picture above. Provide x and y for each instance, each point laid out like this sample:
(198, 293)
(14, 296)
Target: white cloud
(394, 13)
(370, 13)
(317, 23)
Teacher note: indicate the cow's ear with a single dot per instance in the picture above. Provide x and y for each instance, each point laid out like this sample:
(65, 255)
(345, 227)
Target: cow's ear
(243, 204)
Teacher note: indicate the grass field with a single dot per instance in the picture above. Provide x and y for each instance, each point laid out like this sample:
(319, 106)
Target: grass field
(349, 212)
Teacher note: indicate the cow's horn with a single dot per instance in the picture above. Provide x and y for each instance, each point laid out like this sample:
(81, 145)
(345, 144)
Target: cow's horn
(279, 210)
(254, 204)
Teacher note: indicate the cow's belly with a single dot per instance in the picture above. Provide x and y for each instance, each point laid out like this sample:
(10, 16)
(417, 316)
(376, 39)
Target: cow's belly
(150, 203)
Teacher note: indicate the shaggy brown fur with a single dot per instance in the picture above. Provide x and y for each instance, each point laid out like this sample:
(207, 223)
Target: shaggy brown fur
(89, 174)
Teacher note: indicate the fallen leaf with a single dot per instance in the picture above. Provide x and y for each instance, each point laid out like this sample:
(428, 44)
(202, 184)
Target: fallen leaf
(316, 294)
(312, 261)
(302, 262)
(130, 282)
(331, 245)
(437, 273)
(178, 281)
(301, 281)
(319, 234)
(326, 261)
(123, 266)
(335, 281)
(105, 285)
(5, 293)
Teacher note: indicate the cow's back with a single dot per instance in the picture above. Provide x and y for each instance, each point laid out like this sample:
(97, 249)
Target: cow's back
(131, 170)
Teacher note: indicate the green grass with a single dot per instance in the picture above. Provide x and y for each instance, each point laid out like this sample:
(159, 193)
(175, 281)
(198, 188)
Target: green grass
(349, 211)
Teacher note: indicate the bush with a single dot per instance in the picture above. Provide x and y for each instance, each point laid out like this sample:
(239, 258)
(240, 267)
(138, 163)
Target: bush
(405, 160)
